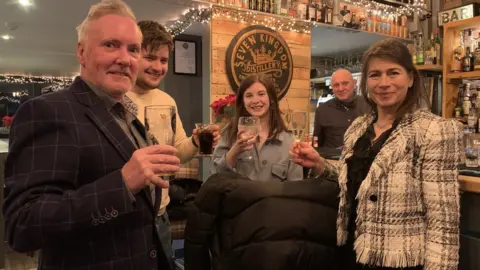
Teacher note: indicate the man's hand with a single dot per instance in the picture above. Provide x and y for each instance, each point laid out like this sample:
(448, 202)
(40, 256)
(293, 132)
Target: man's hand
(215, 129)
(144, 165)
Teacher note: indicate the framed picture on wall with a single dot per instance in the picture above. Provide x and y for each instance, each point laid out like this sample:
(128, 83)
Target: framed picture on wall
(185, 57)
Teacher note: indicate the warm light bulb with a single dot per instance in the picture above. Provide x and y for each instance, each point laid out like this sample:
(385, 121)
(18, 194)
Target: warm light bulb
(26, 3)
(7, 37)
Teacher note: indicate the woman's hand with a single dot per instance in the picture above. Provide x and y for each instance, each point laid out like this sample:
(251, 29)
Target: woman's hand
(303, 154)
(244, 142)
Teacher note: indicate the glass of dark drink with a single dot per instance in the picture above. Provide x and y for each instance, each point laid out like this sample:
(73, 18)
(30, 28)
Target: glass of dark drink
(205, 137)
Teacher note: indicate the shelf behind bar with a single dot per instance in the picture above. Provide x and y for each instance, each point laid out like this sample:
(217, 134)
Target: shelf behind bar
(464, 75)
(437, 68)
(314, 24)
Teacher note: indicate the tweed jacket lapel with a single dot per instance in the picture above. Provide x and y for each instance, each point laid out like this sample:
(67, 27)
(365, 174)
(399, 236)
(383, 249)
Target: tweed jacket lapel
(400, 141)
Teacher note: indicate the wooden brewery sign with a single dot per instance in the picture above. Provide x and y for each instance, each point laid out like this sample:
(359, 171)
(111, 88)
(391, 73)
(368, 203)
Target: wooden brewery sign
(259, 49)
(459, 13)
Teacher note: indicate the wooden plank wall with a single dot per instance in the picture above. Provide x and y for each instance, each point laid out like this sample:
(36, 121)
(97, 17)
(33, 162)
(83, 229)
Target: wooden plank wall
(222, 32)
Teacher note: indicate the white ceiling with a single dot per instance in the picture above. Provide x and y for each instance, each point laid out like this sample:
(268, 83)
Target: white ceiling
(45, 41)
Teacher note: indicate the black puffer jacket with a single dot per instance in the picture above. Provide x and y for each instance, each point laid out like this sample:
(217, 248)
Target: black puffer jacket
(256, 225)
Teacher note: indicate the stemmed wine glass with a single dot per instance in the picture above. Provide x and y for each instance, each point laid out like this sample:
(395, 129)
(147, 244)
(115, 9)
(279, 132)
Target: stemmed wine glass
(299, 125)
(251, 126)
(160, 126)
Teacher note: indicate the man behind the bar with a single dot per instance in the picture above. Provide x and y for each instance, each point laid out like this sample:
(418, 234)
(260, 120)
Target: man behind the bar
(333, 117)
(153, 66)
(76, 187)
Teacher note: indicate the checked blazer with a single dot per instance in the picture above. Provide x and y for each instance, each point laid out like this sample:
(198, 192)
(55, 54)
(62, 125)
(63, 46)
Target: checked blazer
(408, 205)
(65, 193)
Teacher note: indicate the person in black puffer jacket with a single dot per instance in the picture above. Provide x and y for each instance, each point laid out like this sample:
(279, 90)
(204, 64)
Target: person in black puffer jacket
(239, 224)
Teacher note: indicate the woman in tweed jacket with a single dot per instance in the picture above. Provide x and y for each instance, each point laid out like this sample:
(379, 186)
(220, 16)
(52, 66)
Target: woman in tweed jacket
(399, 198)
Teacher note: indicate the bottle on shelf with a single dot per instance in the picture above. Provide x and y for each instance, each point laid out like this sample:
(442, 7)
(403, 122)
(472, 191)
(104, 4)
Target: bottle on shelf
(414, 50)
(328, 14)
(252, 4)
(467, 103)
(284, 7)
(459, 107)
(433, 50)
(347, 17)
(472, 119)
(438, 48)
(312, 11)
(466, 63)
(420, 50)
(476, 61)
(458, 54)
(319, 5)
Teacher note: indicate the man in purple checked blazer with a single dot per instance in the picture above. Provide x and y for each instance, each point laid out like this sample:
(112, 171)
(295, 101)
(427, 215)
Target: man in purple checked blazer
(80, 176)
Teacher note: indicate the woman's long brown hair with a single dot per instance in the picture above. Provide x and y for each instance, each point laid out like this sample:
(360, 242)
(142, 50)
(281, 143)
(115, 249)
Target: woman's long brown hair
(274, 118)
(395, 51)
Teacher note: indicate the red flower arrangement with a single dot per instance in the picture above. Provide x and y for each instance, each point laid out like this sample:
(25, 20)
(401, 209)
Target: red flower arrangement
(224, 108)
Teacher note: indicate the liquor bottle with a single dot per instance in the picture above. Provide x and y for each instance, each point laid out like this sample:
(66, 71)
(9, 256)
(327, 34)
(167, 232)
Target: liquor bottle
(430, 57)
(414, 50)
(438, 47)
(328, 15)
(252, 4)
(476, 65)
(459, 106)
(472, 59)
(458, 54)
(312, 11)
(284, 7)
(466, 61)
(472, 118)
(420, 50)
(319, 4)
(347, 17)
(467, 104)
(301, 10)
(260, 6)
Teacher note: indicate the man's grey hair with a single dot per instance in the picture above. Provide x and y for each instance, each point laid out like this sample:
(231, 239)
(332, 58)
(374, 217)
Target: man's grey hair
(105, 7)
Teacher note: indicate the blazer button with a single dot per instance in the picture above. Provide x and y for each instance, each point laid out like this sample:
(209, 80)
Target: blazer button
(264, 162)
(153, 253)
(373, 198)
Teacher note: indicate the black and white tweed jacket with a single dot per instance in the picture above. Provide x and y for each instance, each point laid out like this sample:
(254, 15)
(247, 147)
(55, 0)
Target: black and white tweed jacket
(408, 205)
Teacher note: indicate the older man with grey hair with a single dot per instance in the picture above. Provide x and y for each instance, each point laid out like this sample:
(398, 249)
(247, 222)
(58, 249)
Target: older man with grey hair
(81, 179)
(333, 117)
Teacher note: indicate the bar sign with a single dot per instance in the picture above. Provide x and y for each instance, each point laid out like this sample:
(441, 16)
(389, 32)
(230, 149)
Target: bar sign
(459, 13)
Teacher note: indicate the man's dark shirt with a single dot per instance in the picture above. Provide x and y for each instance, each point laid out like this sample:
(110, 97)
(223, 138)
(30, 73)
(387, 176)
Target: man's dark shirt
(333, 118)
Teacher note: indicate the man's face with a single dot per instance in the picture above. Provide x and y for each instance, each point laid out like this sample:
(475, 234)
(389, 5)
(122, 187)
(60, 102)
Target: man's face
(343, 85)
(109, 54)
(153, 66)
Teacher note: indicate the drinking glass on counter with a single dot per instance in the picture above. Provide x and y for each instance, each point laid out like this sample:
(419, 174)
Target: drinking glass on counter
(159, 124)
(251, 126)
(472, 150)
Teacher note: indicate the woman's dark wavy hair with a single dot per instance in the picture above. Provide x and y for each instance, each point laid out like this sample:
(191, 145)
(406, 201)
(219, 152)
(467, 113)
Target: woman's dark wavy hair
(395, 51)
(275, 119)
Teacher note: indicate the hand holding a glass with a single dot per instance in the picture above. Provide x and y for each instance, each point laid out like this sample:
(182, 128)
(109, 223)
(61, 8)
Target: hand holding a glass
(206, 136)
(146, 164)
(248, 130)
(303, 154)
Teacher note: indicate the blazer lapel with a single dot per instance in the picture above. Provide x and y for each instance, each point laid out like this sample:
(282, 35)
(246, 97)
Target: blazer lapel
(102, 118)
(400, 142)
(105, 122)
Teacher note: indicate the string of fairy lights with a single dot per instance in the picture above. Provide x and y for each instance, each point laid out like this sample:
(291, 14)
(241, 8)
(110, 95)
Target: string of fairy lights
(205, 14)
(21, 79)
(279, 23)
